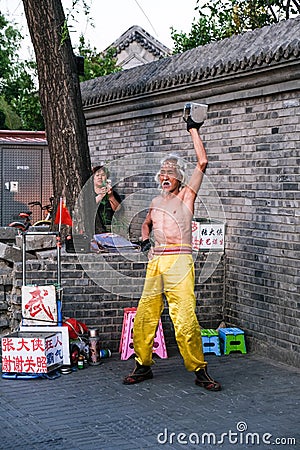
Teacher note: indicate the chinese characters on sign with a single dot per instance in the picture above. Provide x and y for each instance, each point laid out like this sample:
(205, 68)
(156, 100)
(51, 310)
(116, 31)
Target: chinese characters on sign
(39, 305)
(207, 235)
(31, 353)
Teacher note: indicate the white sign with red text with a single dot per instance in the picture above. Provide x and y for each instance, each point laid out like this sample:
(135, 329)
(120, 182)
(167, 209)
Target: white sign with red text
(39, 305)
(24, 352)
(208, 235)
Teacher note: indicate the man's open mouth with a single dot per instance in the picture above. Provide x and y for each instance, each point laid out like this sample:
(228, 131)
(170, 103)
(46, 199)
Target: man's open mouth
(166, 184)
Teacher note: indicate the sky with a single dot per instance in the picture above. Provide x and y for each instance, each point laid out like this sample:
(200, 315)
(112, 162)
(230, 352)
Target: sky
(113, 18)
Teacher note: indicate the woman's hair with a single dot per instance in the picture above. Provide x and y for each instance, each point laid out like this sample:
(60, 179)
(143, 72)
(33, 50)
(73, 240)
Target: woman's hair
(176, 162)
(105, 170)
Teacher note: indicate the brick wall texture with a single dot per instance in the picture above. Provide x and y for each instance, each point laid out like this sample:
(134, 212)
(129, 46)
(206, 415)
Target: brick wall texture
(252, 139)
(252, 182)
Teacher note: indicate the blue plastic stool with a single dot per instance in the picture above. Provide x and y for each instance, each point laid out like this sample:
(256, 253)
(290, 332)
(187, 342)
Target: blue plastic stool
(210, 341)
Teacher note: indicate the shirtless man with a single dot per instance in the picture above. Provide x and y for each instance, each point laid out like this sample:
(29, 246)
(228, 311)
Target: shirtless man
(170, 269)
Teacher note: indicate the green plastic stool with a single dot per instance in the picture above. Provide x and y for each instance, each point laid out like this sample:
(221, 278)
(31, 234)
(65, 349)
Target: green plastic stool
(232, 340)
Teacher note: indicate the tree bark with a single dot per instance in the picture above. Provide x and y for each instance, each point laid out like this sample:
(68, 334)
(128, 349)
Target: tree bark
(60, 97)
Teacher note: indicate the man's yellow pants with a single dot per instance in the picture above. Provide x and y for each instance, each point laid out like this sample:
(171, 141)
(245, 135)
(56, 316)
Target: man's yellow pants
(174, 276)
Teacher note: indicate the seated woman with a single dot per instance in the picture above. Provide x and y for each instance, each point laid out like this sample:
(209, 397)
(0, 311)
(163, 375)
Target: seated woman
(107, 199)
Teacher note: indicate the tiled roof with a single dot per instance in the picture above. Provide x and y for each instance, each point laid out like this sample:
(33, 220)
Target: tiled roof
(138, 34)
(22, 137)
(262, 47)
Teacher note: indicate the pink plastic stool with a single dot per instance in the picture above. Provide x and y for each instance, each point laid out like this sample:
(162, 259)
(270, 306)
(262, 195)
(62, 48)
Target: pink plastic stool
(126, 343)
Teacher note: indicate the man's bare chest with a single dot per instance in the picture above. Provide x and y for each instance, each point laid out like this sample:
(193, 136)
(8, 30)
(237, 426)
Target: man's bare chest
(170, 209)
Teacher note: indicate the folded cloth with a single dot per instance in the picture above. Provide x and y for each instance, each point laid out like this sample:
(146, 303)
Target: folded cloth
(112, 242)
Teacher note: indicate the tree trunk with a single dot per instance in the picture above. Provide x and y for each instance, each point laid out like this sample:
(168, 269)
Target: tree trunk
(60, 98)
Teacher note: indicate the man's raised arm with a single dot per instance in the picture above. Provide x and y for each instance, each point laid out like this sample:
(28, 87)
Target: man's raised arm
(197, 176)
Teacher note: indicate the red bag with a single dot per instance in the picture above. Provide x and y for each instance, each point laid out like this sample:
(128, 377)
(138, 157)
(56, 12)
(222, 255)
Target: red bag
(76, 328)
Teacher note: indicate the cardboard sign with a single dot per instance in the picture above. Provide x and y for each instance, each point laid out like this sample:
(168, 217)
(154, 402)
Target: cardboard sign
(39, 305)
(49, 329)
(24, 352)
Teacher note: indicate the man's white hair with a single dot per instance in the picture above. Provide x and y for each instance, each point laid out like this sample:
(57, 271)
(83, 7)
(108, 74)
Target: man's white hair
(178, 163)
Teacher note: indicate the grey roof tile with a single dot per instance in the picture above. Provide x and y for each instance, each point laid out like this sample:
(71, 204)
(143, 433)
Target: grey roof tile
(258, 48)
(138, 34)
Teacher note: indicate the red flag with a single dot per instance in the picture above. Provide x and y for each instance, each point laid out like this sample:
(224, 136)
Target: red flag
(64, 218)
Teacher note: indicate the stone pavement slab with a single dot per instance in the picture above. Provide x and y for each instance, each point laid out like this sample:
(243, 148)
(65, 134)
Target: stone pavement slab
(258, 408)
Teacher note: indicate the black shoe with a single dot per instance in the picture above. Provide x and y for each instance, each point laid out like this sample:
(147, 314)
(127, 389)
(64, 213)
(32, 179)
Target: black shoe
(140, 373)
(204, 380)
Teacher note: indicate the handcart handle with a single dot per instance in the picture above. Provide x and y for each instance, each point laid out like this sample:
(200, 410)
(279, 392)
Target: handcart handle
(58, 246)
(41, 233)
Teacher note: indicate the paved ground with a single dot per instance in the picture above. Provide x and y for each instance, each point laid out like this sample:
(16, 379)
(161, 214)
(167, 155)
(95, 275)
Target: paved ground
(92, 409)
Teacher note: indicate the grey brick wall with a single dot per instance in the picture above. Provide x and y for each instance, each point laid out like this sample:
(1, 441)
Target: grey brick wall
(252, 183)
(257, 174)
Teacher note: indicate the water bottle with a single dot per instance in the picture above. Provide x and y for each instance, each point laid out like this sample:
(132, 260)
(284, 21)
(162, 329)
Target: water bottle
(94, 348)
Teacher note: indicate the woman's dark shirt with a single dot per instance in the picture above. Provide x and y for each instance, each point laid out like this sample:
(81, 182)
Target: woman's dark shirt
(105, 214)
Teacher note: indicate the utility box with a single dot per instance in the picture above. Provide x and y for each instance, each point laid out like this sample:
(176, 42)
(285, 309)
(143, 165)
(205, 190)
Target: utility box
(208, 234)
(25, 173)
(31, 352)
